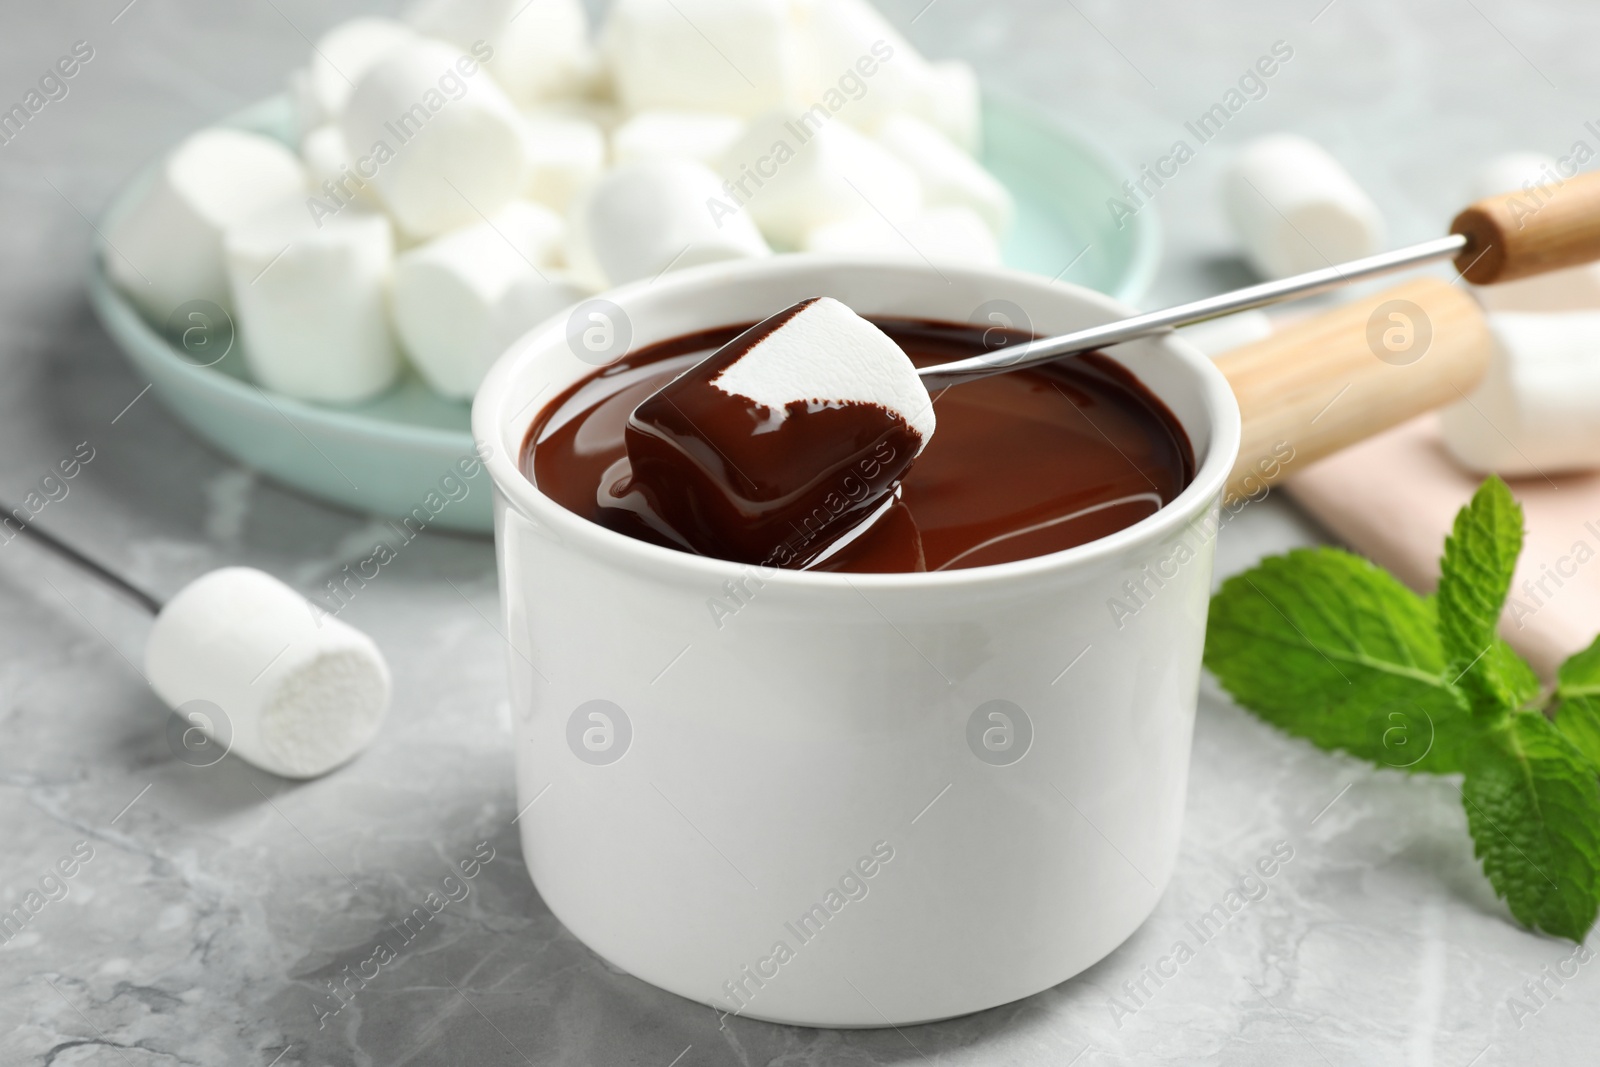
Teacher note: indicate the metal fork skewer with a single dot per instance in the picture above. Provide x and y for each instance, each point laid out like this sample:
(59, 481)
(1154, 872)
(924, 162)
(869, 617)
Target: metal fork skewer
(84, 563)
(1212, 307)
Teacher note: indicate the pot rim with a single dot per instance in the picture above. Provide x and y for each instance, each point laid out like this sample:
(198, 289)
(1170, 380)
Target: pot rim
(1216, 397)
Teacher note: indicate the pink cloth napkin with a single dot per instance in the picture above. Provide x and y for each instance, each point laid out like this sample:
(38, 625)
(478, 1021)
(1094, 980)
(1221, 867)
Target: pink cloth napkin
(1394, 497)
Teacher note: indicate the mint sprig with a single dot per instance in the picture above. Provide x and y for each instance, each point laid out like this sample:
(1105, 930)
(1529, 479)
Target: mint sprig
(1328, 647)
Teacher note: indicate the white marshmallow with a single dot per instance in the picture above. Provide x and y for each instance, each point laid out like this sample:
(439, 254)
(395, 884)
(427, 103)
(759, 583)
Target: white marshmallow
(1294, 208)
(327, 159)
(167, 250)
(461, 299)
(594, 86)
(300, 694)
(953, 233)
(794, 176)
(325, 155)
(647, 217)
(702, 136)
(565, 152)
(603, 113)
(312, 301)
(1515, 172)
(948, 174)
(1572, 289)
(950, 98)
(531, 300)
(577, 249)
(342, 56)
(739, 57)
(1229, 332)
(828, 352)
(307, 110)
(446, 143)
(1537, 410)
(541, 47)
(1538, 178)
(859, 66)
(534, 230)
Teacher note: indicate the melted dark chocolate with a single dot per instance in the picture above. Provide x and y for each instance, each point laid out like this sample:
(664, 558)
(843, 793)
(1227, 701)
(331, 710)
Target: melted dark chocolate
(1022, 464)
(734, 480)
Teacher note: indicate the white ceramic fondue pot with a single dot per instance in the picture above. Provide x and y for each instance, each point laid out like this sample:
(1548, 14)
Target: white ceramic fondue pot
(849, 799)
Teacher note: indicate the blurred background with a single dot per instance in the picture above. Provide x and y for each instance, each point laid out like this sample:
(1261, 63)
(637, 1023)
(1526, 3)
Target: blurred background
(217, 907)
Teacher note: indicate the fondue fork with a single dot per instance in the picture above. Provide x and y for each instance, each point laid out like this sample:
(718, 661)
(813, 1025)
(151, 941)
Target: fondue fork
(1499, 239)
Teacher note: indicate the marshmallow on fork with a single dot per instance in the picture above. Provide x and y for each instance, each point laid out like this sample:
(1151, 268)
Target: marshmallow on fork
(540, 47)
(652, 216)
(445, 143)
(312, 300)
(738, 57)
(1537, 410)
(1296, 209)
(1538, 178)
(298, 694)
(339, 59)
(167, 250)
(787, 439)
(461, 299)
(794, 175)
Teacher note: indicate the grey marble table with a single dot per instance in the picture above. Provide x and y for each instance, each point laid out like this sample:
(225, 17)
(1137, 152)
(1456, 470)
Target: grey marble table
(218, 904)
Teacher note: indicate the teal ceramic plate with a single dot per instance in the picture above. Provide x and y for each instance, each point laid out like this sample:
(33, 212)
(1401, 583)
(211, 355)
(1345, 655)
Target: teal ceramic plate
(389, 456)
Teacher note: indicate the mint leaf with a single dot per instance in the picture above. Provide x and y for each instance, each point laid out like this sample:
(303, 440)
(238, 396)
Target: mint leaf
(1533, 807)
(1578, 696)
(1326, 646)
(1474, 578)
(1522, 685)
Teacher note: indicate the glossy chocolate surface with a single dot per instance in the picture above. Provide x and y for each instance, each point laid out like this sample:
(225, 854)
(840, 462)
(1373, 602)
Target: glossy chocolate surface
(1022, 464)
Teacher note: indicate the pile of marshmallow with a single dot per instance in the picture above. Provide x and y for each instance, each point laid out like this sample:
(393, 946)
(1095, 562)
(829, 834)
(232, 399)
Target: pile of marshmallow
(483, 165)
(1537, 412)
